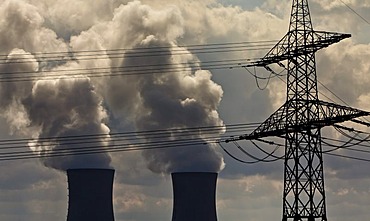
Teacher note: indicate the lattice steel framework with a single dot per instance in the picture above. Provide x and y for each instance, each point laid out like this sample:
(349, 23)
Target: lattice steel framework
(303, 115)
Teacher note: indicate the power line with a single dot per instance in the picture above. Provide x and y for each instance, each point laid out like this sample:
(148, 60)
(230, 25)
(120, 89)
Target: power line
(355, 12)
(345, 145)
(257, 160)
(188, 47)
(152, 134)
(132, 70)
(184, 141)
(135, 53)
(110, 149)
(124, 142)
(330, 152)
(348, 157)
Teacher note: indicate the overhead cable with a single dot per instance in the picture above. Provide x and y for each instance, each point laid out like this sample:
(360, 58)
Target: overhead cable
(258, 160)
(132, 70)
(93, 144)
(135, 53)
(355, 12)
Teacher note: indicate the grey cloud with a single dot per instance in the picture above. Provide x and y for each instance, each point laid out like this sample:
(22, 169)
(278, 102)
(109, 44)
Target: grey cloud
(46, 108)
(12, 93)
(68, 18)
(52, 108)
(22, 27)
(161, 100)
(23, 175)
(67, 107)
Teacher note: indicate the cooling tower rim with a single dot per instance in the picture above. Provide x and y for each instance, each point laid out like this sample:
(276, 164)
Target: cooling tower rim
(194, 173)
(91, 169)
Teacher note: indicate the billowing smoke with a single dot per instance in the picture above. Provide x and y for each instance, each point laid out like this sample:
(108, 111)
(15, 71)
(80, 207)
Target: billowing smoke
(164, 99)
(160, 99)
(67, 107)
(13, 93)
(47, 107)
(153, 96)
(22, 26)
(181, 99)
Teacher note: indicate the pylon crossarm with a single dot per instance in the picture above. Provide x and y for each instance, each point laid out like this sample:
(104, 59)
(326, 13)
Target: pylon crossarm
(281, 51)
(275, 54)
(273, 126)
(325, 38)
(328, 115)
(331, 113)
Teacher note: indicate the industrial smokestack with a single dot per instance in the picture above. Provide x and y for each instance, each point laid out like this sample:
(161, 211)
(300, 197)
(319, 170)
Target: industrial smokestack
(194, 196)
(90, 195)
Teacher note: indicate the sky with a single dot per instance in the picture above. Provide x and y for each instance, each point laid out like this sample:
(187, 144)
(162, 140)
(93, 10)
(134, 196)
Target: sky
(36, 189)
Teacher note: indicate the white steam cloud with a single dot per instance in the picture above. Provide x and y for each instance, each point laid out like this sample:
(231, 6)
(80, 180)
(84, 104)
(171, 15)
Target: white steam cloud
(47, 107)
(187, 98)
(67, 107)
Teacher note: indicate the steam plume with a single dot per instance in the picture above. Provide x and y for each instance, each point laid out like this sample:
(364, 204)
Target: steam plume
(47, 107)
(67, 107)
(165, 100)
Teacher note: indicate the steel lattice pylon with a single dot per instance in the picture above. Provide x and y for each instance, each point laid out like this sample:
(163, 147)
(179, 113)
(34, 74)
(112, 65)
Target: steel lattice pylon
(302, 116)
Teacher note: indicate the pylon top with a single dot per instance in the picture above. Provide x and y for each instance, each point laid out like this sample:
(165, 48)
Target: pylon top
(298, 47)
(302, 116)
(300, 18)
(301, 38)
(285, 50)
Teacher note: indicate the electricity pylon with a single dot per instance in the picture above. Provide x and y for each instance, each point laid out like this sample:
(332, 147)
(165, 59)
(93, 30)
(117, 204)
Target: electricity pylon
(300, 119)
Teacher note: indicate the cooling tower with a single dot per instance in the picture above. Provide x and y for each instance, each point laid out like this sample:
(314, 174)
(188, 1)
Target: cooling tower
(90, 195)
(194, 196)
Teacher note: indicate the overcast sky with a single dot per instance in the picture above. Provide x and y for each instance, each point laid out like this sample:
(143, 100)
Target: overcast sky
(36, 190)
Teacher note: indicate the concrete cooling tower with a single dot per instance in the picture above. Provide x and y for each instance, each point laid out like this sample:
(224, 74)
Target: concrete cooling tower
(90, 195)
(194, 196)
